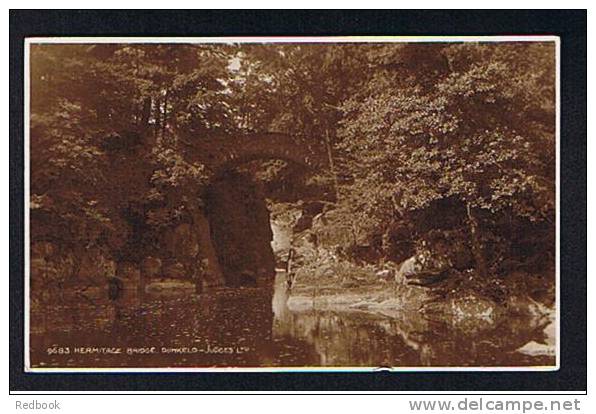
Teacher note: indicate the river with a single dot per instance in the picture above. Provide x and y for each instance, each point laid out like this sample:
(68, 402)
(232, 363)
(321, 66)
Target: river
(244, 328)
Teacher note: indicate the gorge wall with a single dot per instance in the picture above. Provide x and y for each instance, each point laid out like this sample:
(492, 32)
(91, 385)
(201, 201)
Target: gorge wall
(241, 231)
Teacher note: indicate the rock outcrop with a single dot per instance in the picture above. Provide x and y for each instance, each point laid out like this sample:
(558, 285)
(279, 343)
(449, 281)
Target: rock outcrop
(240, 231)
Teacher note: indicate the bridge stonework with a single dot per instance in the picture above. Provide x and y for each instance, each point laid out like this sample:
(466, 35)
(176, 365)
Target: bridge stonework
(223, 153)
(226, 152)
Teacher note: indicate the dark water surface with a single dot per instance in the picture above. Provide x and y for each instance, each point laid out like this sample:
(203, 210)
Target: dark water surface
(243, 328)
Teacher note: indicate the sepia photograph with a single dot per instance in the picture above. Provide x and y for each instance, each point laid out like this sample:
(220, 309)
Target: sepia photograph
(291, 204)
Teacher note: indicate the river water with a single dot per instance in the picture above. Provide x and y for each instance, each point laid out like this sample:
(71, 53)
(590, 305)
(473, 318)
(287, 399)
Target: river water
(245, 328)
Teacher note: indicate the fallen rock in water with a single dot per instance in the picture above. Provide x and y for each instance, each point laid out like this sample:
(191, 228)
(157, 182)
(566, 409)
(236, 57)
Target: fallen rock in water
(534, 348)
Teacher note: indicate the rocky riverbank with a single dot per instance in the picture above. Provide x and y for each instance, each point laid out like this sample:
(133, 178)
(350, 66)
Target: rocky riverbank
(466, 313)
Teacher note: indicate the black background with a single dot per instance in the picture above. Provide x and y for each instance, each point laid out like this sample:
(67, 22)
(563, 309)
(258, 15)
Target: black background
(569, 25)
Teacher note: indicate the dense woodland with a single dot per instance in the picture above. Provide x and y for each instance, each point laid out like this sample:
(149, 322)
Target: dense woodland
(442, 149)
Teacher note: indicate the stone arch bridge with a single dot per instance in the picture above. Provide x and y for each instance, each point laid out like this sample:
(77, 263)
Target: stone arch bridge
(224, 153)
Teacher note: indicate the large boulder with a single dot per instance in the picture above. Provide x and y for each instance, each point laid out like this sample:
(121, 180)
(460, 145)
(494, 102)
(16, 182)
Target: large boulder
(240, 229)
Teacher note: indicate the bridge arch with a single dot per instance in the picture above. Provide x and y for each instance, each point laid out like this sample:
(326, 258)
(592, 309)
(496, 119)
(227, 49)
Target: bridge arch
(226, 152)
(222, 155)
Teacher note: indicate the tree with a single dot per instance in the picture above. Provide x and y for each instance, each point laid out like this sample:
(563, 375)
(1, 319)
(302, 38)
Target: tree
(476, 126)
(106, 169)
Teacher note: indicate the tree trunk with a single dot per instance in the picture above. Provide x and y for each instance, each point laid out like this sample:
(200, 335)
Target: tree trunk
(477, 249)
(164, 120)
(213, 273)
(156, 119)
(332, 165)
(145, 114)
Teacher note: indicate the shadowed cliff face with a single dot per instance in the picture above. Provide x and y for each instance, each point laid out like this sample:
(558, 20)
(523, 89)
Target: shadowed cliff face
(241, 231)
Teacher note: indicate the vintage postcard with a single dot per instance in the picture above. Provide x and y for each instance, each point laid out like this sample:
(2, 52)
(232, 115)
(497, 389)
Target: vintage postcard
(291, 204)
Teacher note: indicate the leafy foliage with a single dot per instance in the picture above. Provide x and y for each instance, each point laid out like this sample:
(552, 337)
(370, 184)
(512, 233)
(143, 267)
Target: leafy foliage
(479, 130)
(416, 133)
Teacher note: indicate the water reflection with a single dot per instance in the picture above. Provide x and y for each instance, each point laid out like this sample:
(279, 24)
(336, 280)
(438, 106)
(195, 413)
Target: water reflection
(356, 338)
(243, 327)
